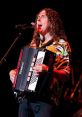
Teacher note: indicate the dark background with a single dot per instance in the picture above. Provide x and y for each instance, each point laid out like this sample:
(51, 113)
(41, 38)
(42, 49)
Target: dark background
(13, 13)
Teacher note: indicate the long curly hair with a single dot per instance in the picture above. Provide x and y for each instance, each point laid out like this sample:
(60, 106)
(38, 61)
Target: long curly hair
(56, 26)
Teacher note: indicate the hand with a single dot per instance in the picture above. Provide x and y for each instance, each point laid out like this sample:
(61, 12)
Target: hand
(40, 68)
(12, 75)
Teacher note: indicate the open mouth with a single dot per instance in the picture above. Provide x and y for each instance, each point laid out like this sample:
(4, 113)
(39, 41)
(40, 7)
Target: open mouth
(39, 25)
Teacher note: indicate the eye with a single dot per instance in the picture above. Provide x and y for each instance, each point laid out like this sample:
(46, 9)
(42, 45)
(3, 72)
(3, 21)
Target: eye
(43, 16)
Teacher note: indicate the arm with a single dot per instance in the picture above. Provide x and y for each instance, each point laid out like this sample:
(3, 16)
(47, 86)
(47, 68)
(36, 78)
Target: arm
(12, 75)
(62, 65)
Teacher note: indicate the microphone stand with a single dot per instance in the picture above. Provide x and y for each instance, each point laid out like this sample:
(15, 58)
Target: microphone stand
(3, 59)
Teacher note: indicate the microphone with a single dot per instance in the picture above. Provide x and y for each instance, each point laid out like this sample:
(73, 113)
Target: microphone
(25, 26)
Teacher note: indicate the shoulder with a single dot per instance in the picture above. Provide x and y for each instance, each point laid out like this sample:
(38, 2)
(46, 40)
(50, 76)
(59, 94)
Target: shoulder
(62, 47)
(62, 44)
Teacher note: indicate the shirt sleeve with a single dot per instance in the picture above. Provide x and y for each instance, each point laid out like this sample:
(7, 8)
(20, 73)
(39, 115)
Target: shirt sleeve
(63, 54)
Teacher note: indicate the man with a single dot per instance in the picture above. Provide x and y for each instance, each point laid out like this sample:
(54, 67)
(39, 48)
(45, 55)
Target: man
(49, 33)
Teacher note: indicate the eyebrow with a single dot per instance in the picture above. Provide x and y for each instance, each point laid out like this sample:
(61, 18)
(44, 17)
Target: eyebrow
(42, 15)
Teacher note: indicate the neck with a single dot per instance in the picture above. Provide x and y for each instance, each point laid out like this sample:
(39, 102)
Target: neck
(47, 36)
(48, 39)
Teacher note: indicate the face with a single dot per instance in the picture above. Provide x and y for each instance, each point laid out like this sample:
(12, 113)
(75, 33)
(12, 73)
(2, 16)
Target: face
(42, 23)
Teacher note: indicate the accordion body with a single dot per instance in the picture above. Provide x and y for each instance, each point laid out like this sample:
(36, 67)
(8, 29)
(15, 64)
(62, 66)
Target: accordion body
(26, 79)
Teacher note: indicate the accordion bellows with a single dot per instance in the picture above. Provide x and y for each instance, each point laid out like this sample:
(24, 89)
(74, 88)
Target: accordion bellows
(26, 79)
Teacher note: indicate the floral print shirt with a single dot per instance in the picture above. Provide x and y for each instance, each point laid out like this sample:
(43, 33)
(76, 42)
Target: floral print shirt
(63, 51)
(62, 62)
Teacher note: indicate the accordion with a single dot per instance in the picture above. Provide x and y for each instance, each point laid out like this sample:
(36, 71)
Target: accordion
(26, 79)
